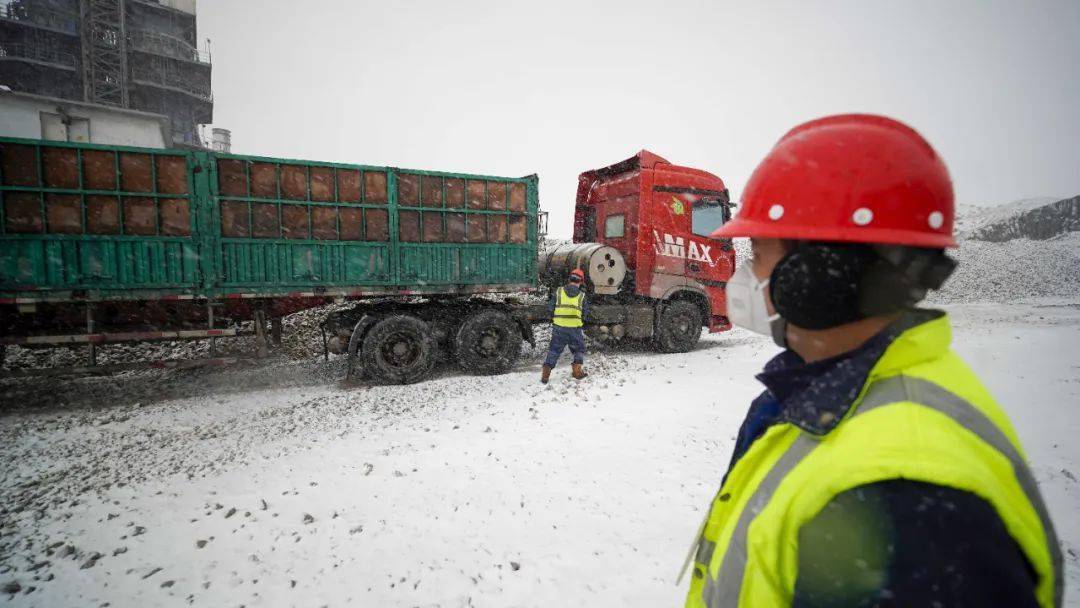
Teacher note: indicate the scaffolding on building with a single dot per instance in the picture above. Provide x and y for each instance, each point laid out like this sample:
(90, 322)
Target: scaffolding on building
(164, 44)
(44, 14)
(38, 53)
(136, 54)
(104, 56)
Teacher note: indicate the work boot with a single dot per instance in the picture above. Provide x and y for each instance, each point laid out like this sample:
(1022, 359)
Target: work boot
(578, 373)
(545, 374)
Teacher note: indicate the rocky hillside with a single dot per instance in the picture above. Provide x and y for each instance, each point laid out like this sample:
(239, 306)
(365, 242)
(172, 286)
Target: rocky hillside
(1021, 251)
(1038, 223)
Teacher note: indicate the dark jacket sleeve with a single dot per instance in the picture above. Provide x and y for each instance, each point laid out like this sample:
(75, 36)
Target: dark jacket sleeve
(907, 543)
(764, 412)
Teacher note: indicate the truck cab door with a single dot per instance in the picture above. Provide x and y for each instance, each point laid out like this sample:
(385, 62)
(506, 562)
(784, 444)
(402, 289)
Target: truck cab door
(712, 256)
(710, 261)
(670, 215)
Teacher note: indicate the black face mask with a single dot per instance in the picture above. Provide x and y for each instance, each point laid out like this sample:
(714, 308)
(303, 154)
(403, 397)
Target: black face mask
(824, 285)
(816, 285)
(779, 332)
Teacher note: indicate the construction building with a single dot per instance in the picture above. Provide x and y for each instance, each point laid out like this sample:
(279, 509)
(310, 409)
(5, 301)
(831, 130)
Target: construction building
(134, 54)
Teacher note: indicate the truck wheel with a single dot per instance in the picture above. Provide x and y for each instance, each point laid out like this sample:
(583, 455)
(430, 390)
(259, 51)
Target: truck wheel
(679, 327)
(399, 349)
(488, 342)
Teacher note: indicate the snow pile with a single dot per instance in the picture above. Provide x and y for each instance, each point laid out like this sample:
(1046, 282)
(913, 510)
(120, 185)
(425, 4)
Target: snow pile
(17, 357)
(1012, 270)
(1040, 223)
(972, 218)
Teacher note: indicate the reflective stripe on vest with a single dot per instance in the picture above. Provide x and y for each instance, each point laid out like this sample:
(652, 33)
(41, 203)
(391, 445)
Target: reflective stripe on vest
(567, 309)
(726, 589)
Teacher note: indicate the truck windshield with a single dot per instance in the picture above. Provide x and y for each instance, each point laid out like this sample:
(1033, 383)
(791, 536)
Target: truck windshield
(708, 216)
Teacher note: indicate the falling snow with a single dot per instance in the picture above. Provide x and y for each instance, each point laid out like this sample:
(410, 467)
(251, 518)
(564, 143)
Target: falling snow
(274, 483)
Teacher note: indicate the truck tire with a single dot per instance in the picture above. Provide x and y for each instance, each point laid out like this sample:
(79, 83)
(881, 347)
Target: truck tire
(678, 328)
(488, 342)
(398, 349)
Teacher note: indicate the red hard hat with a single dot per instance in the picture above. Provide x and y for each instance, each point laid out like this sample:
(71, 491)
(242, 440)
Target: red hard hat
(579, 273)
(852, 177)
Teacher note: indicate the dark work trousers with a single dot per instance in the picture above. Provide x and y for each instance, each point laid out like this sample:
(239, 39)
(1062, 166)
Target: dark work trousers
(562, 337)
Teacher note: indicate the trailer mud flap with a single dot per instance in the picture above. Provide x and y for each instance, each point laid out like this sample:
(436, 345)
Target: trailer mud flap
(358, 332)
(526, 331)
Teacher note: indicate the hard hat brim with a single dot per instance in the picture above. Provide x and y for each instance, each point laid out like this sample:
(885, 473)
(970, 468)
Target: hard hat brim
(742, 228)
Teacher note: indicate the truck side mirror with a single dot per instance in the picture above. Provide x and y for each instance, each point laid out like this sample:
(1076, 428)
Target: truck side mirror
(542, 223)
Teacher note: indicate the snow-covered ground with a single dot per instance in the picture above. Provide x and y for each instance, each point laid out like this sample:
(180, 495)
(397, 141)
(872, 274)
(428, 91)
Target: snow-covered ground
(274, 485)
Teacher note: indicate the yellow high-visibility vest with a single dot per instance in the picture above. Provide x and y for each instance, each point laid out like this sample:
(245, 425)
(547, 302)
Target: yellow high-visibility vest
(921, 416)
(567, 309)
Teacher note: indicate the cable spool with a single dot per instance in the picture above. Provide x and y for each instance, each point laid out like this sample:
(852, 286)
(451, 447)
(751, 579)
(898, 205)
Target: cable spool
(604, 266)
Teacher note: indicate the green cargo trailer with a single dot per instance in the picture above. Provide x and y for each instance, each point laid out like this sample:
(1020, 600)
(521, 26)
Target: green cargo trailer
(103, 243)
(85, 223)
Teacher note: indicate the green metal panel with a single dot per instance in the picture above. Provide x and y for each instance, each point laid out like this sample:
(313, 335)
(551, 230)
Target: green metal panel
(251, 225)
(435, 264)
(395, 230)
(70, 243)
(273, 261)
(255, 264)
(209, 257)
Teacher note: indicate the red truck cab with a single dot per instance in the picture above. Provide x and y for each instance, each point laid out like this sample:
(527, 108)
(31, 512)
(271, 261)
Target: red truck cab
(659, 216)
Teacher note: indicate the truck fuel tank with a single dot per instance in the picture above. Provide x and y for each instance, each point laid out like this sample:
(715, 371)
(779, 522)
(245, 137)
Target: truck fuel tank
(604, 266)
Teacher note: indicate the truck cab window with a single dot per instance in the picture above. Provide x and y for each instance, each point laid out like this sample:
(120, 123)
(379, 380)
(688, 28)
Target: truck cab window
(709, 214)
(615, 226)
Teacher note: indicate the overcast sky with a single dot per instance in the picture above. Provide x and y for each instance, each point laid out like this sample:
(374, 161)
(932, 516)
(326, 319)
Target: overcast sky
(555, 88)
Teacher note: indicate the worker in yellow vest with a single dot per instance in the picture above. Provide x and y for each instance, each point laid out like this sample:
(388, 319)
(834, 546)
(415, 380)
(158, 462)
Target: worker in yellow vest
(568, 307)
(875, 469)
